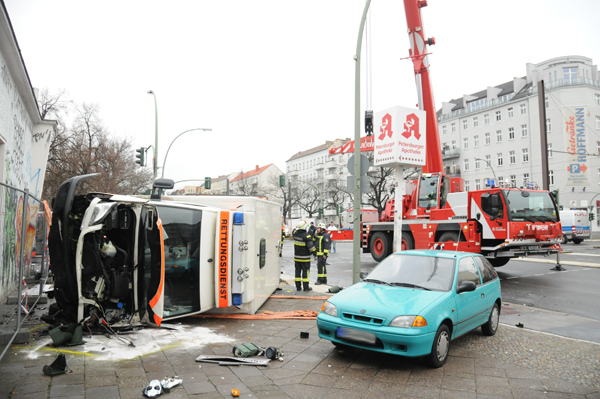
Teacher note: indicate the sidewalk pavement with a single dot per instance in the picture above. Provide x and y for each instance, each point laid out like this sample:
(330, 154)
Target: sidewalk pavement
(515, 363)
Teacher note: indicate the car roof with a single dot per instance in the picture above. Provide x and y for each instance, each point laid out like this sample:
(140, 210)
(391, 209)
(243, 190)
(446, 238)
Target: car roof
(436, 253)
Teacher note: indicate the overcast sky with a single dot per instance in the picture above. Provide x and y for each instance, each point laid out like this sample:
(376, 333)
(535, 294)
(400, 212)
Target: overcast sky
(272, 78)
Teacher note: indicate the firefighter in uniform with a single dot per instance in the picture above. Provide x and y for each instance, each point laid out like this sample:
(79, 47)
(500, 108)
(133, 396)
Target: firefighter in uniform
(323, 246)
(304, 247)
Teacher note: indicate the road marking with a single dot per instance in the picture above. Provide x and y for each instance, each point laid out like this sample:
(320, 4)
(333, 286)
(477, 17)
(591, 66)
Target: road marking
(576, 253)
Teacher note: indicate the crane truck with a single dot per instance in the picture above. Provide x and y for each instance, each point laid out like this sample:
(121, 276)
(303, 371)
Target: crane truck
(499, 222)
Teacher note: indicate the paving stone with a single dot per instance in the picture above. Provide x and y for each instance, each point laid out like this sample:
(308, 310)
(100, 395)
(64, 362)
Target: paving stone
(199, 387)
(100, 380)
(59, 391)
(106, 392)
(31, 388)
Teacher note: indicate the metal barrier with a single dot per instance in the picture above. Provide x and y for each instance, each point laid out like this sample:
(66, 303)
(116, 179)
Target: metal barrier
(19, 240)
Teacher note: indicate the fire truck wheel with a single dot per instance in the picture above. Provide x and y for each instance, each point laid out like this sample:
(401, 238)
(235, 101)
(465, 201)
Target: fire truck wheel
(449, 236)
(380, 246)
(577, 240)
(407, 241)
(491, 326)
(497, 262)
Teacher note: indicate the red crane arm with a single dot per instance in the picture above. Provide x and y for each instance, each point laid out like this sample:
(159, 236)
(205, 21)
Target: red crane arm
(418, 55)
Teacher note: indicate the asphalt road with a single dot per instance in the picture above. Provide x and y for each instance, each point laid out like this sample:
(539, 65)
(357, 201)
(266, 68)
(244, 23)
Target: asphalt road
(527, 282)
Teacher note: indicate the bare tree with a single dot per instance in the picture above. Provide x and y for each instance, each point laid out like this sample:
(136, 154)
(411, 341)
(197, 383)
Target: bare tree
(86, 147)
(336, 191)
(309, 198)
(248, 185)
(287, 195)
(380, 180)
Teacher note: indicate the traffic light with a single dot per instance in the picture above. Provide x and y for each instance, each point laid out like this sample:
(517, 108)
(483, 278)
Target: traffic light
(591, 216)
(281, 180)
(207, 183)
(369, 122)
(140, 156)
(555, 195)
(320, 212)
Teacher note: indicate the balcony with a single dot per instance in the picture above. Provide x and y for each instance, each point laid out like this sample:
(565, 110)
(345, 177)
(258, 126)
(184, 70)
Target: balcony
(449, 153)
(452, 170)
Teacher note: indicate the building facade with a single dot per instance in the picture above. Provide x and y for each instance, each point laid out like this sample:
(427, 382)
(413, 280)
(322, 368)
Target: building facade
(24, 144)
(261, 181)
(495, 133)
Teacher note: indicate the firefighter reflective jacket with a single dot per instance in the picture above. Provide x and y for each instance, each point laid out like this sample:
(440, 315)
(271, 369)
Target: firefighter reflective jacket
(323, 244)
(304, 246)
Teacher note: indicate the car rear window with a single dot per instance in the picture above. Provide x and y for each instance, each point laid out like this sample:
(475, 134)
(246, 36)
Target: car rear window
(488, 273)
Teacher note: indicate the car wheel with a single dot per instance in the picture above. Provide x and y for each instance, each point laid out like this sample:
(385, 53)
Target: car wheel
(440, 348)
(491, 326)
(564, 240)
(577, 241)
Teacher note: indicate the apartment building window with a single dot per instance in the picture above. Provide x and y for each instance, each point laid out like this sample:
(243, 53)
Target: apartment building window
(551, 177)
(523, 131)
(523, 109)
(597, 98)
(477, 184)
(466, 143)
(500, 159)
(548, 125)
(476, 120)
(569, 75)
(498, 136)
(549, 150)
(467, 182)
(476, 164)
(453, 127)
(465, 124)
(476, 141)
(547, 102)
(525, 178)
(511, 133)
(598, 147)
(513, 181)
(525, 154)
(510, 112)
(500, 180)
(597, 122)
(488, 139)
(488, 161)
(498, 116)
(512, 159)
(454, 144)
(486, 119)
(444, 129)
(466, 165)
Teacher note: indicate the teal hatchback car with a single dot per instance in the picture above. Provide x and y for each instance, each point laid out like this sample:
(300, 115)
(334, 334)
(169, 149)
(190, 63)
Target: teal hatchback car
(414, 303)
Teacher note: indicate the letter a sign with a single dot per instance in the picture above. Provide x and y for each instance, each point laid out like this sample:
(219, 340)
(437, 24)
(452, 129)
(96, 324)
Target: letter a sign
(400, 137)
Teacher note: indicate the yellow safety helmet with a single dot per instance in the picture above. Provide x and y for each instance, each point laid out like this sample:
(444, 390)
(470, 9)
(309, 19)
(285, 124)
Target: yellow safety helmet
(301, 224)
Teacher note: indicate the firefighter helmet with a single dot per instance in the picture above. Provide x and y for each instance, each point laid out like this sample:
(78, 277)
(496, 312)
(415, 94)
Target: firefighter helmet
(301, 224)
(322, 226)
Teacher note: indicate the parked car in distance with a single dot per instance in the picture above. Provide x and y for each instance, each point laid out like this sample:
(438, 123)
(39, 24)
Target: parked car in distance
(414, 303)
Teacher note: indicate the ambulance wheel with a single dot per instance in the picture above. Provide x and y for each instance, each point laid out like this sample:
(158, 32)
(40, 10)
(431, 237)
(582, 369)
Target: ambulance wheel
(380, 246)
(497, 262)
(407, 241)
(577, 241)
(564, 240)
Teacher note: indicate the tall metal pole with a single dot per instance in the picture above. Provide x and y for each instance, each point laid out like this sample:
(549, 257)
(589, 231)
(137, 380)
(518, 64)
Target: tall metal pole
(357, 233)
(543, 134)
(155, 163)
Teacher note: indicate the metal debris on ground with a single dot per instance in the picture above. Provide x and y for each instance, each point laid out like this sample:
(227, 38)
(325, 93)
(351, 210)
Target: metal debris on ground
(169, 383)
(304, 334)
(520, 325)
(231, 360)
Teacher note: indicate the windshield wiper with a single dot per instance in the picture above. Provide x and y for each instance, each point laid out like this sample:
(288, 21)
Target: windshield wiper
(372, 280)
(409, 286)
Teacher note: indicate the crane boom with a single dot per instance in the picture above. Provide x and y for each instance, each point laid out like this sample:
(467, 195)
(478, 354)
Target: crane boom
(418, 55)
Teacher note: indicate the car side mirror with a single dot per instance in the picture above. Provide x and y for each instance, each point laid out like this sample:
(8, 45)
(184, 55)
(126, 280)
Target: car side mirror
(466, 286)
(363, 275)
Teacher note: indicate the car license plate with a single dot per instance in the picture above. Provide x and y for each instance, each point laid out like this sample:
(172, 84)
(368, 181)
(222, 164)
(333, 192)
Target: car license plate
(356, 335)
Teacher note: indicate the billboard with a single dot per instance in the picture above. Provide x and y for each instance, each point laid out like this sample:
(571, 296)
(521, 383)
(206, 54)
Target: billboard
(576, 145)
(400, 137)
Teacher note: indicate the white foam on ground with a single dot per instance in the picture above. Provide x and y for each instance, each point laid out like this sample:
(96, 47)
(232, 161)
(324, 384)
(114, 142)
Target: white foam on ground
(146, 341)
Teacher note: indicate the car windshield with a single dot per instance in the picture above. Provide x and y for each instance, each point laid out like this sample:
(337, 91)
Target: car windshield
(414, 271)
(530, 206)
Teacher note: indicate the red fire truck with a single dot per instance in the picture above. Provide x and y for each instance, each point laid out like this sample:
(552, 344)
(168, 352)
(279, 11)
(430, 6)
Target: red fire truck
(499, 222)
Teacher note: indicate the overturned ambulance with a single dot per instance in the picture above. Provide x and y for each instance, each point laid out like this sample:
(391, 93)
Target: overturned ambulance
(121, 261)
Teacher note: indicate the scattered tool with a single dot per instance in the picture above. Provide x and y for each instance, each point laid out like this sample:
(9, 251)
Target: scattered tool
(222, 360)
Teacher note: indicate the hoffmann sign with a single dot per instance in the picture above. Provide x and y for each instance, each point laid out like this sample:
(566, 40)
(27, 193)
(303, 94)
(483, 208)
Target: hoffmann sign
(399, 137)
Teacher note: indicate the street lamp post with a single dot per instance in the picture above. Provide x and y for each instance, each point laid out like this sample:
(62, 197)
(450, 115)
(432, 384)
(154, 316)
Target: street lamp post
(486, 161)
(167, 154)
(155, 162)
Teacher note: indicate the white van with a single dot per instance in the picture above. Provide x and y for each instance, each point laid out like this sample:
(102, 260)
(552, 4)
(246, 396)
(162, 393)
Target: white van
(575, 225)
